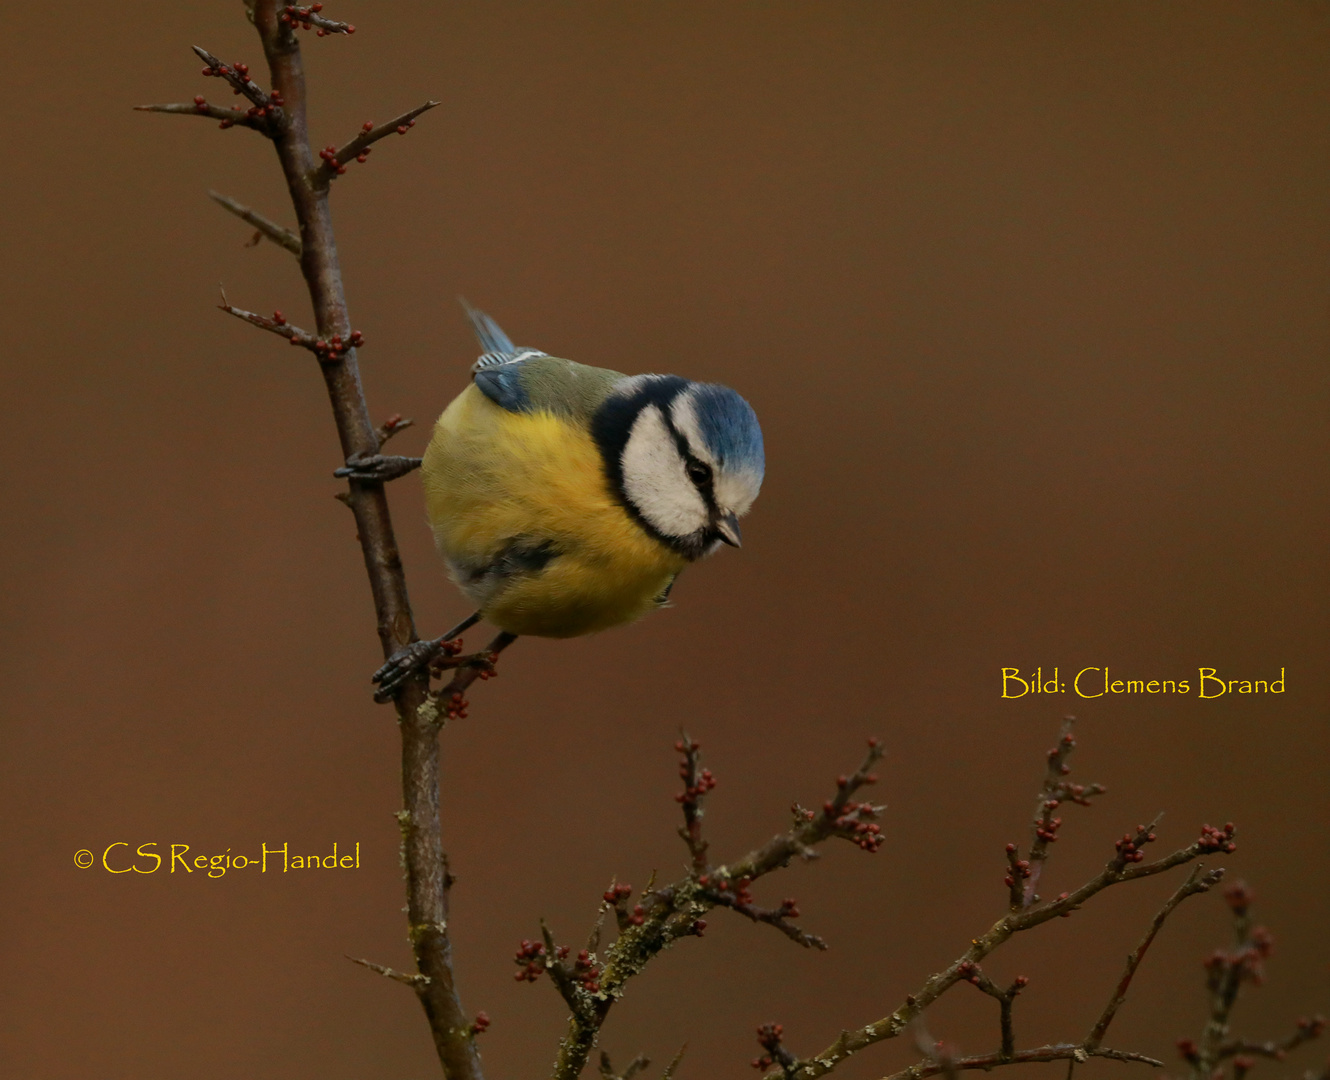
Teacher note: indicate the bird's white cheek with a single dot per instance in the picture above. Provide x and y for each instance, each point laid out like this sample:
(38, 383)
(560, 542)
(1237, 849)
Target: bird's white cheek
(654, 479)
(735, 491)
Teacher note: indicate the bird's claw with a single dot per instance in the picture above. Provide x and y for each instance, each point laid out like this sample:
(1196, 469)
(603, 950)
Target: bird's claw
(418, 656)
(377, 467)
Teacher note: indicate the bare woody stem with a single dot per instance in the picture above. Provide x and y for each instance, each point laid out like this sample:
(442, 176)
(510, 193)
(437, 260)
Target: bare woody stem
(1058, 1052)
(427, 874)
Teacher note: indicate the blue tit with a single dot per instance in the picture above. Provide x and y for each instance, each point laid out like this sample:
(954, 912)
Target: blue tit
(565, 499)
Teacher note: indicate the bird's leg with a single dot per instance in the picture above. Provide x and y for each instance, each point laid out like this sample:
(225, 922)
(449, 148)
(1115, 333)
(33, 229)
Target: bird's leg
(449, 698)
(483, 662)
(380, 467)
(414, 657)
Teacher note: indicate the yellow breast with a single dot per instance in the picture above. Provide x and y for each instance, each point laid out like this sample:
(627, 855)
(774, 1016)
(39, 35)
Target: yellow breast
(492, 476)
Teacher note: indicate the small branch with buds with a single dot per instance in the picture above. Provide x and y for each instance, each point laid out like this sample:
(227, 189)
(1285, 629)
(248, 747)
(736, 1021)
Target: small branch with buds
(308, 18)
(770, 1037)
(448, 701)
(227, 118)
(328, 352)
(1226, 974)
(335, 160)
(663, 915)
(696, 783)
(1055, 792)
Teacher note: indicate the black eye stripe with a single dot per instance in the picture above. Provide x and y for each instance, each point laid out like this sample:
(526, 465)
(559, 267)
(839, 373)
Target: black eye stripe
(611, 426)
(699, 472)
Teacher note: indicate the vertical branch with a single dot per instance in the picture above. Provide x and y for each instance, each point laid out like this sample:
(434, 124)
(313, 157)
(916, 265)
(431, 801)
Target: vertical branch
(696, 783)
(1054, 792)
(427, 874)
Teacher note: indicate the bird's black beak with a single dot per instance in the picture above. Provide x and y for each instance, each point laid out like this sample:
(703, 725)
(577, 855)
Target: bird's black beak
(727, 529)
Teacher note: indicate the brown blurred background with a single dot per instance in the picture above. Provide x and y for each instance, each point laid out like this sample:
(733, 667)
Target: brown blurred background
(1032, 302)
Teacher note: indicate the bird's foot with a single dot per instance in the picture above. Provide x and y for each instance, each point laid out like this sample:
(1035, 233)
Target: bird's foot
(436, 655)
(405, 662)
(377, 467)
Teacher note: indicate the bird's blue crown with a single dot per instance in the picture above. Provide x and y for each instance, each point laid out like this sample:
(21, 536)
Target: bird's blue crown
(728, 426)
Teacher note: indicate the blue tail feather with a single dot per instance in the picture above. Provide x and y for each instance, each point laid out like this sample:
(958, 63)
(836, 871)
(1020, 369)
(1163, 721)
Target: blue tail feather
(492, 339)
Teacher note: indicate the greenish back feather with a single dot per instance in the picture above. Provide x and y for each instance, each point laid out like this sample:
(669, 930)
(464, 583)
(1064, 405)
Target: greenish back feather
(563, 387)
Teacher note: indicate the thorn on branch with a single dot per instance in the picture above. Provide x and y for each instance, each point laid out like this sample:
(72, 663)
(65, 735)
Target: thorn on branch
(307, 18)
(227, 118)
(279, 235)
(673, 1066)
(634, 1067)
(416, 982)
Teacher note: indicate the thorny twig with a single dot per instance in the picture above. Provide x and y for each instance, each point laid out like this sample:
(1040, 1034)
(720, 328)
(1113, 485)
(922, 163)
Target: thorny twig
(227, 118)
(278, 234)
(335, 160)
(663, 915)
(387, 972)
(1073, 1052)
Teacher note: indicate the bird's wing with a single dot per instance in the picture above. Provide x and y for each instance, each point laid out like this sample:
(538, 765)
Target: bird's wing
(520, 379)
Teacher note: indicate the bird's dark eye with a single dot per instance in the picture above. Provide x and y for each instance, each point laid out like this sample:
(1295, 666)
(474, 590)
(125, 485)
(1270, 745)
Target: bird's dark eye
(699, 472)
